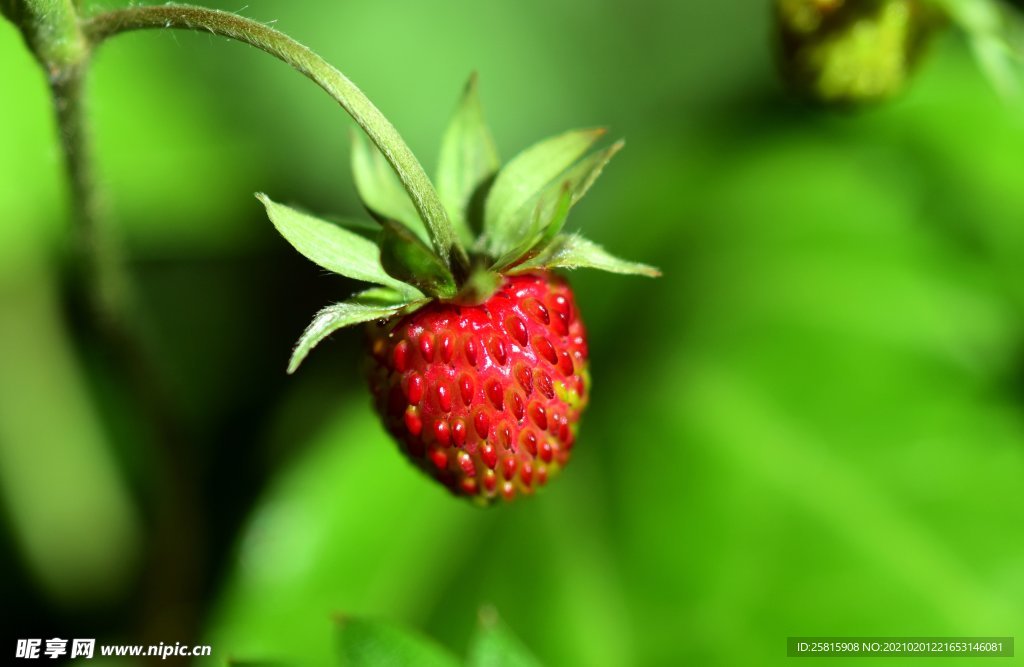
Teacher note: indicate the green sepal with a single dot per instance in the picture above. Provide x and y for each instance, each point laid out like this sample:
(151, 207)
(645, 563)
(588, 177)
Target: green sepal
(368, 228)
(410, 260)
(332, 247)
(380, 190)
(382, 296)
(369, 643)
(468, 159)
(494, 645)
(554, 204)
(575, 252)
(356, 310)
(548, 221)
(556, 221)
(509, 210)
(580, 178)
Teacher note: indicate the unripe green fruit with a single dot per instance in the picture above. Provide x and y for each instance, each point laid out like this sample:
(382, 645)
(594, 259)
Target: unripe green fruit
(850, 52)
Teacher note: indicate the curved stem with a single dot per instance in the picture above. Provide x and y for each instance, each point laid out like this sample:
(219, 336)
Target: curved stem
(336, 84)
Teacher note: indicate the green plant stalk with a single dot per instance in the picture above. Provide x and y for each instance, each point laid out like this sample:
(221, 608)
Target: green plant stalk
(337, 85)
(53, 33)
(52, 30)
(96, 248)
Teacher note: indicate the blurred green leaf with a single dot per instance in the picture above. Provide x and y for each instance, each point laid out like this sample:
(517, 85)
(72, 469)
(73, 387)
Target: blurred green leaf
(508, 213)
(330, 246)
(410, 260)
(347, 527)
(839, 397)
(368, 643)
(336, 316)
(468, 159)
(575, 252)
(996, 34)
(381, 191)
(494, 645)
(67, 504)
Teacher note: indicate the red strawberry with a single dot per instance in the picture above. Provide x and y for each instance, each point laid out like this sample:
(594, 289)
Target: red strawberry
(478, 357)
(486, 398)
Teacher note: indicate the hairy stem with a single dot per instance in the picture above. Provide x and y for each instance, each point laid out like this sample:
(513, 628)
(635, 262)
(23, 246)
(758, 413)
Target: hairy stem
(337, 85)
(53, 32)
(172, 571)
(51, 29)
(96, 250)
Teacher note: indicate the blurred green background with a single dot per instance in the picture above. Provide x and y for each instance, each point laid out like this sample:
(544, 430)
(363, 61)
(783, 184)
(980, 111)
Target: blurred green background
(811, 425)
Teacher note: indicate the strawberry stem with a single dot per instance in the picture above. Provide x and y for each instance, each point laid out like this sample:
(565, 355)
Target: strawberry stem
(378, 128)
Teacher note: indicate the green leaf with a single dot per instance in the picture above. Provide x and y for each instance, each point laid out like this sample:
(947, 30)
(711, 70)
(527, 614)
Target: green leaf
(366, 643)
(330, 246)
(334, 317)
(575, 252)
(508, 212)
(379, 189)
(468, 159)
(553, 206)
(410, 260)
(494, 645)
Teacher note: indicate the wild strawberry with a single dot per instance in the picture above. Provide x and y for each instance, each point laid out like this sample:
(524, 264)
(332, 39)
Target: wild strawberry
(851, 52)
(486, 398)
(478, 359)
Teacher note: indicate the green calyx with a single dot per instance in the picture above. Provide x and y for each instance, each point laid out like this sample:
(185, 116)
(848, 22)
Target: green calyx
(492, 221)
